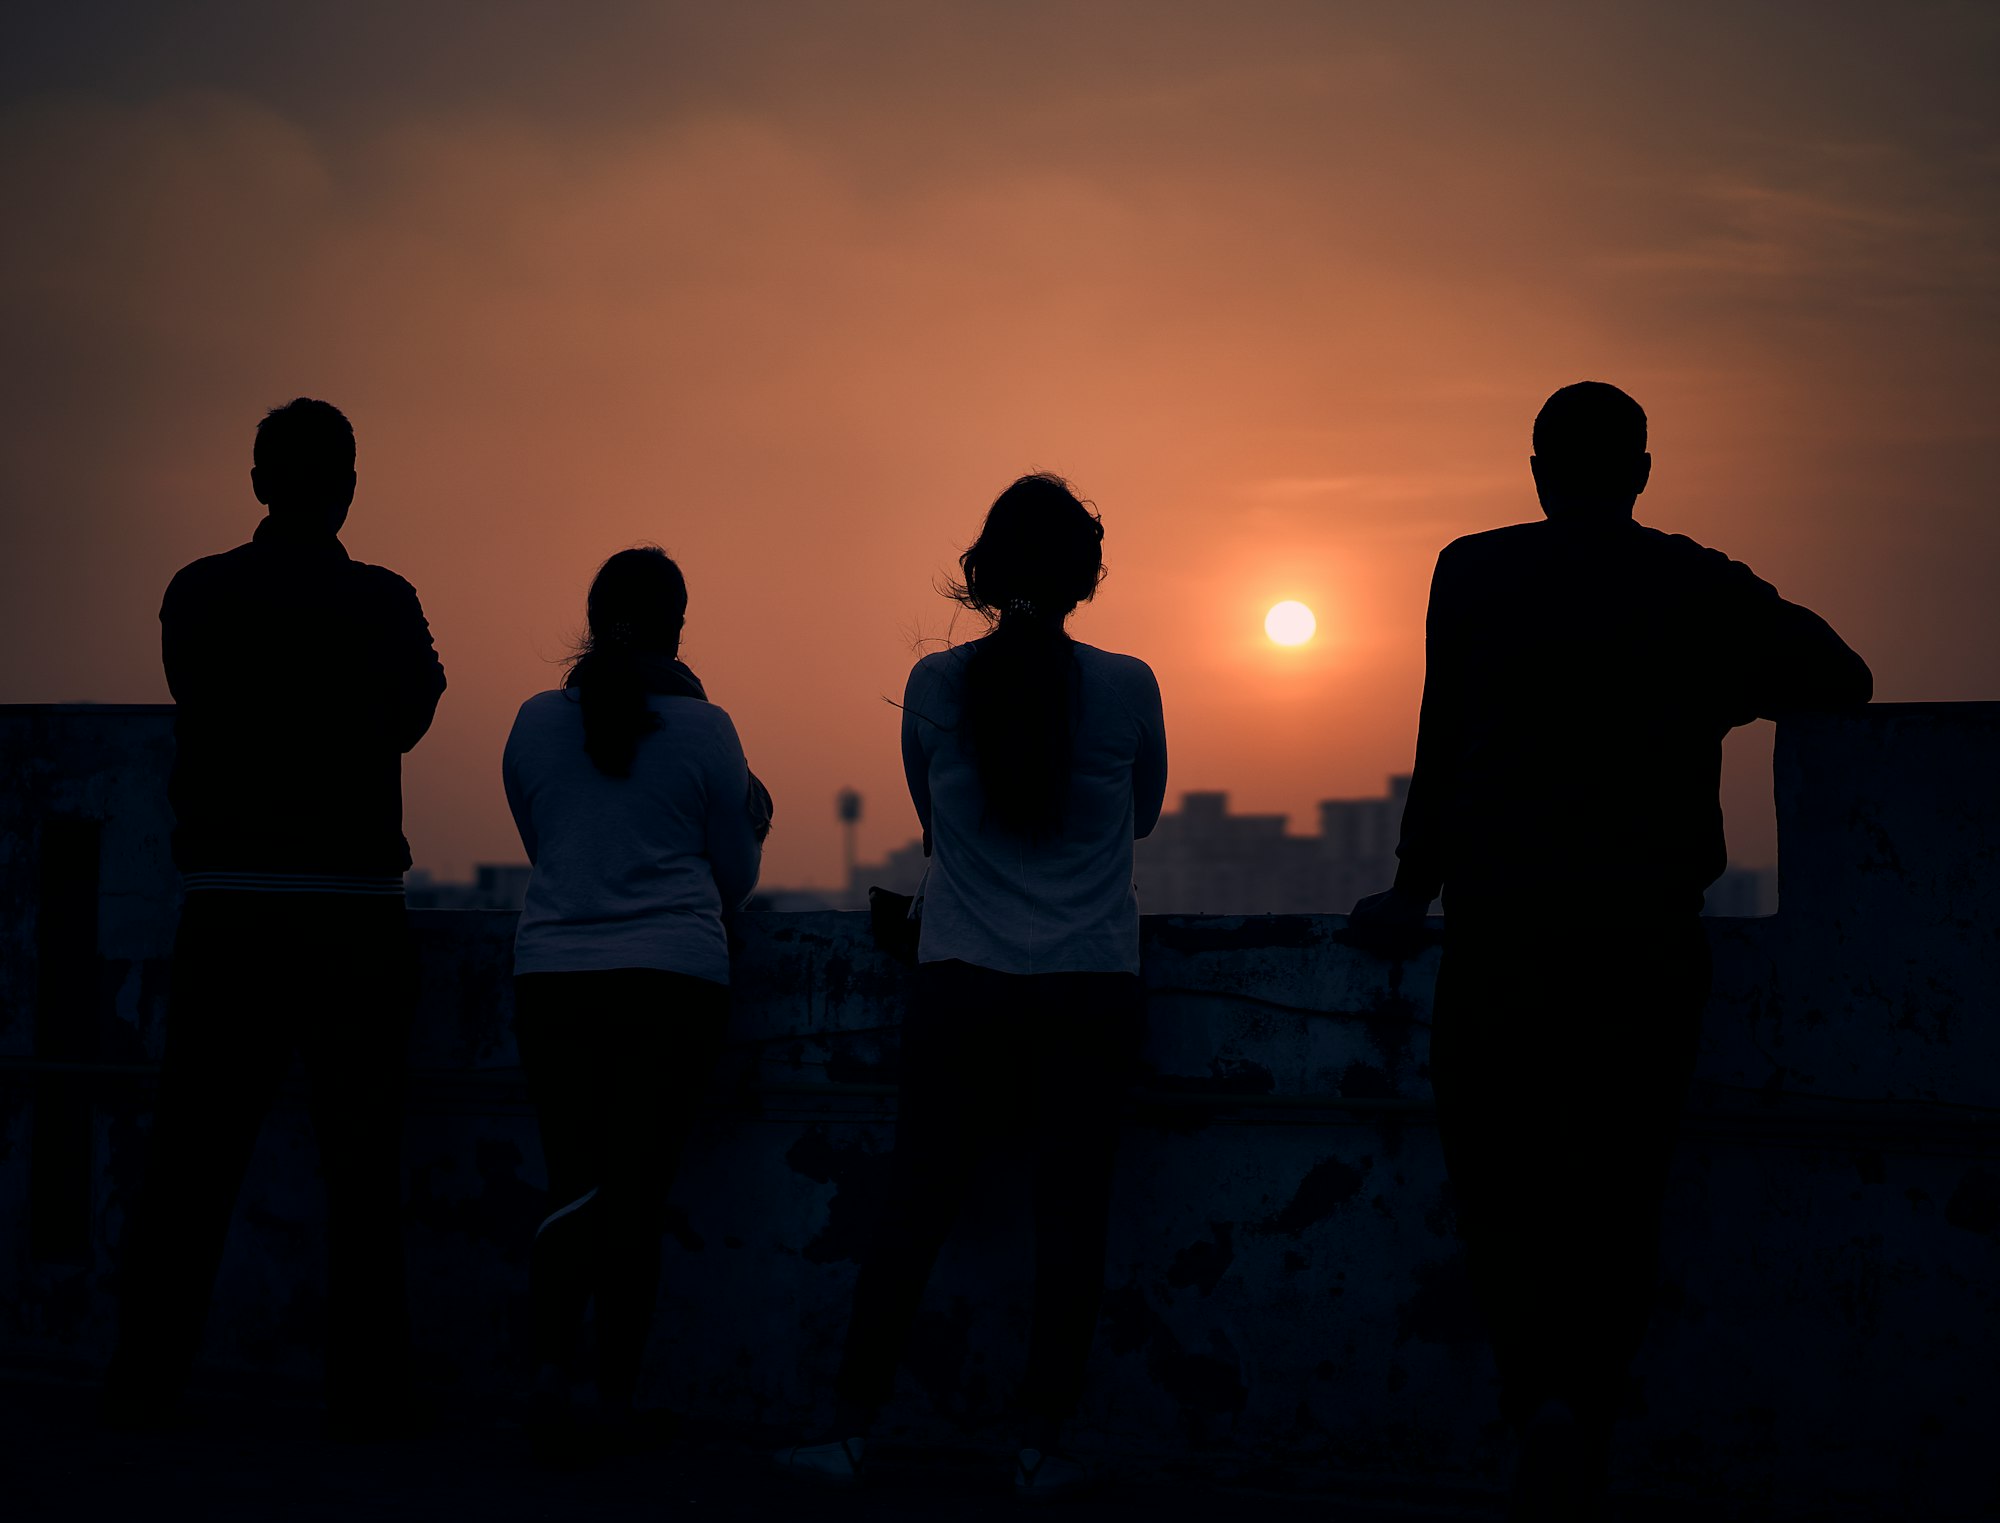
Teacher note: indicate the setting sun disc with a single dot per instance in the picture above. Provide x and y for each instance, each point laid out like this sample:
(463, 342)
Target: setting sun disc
(1290, 624)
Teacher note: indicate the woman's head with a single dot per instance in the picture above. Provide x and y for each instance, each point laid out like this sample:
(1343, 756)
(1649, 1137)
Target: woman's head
(637, 605)
(1041, 551)
(1038, 555)
(638, 600)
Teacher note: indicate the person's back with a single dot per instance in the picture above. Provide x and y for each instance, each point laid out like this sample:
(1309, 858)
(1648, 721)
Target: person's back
(643, 827)
(1060, 901)
(300, 678)
(632, 871)
(1033, 763)
(1581, 677)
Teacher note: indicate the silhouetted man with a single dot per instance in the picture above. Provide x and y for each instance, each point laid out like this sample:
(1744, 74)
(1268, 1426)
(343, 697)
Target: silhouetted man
(1582, 672)
(301, 678)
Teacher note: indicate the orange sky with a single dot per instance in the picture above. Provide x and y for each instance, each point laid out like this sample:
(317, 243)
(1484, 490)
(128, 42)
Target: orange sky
(793, 291)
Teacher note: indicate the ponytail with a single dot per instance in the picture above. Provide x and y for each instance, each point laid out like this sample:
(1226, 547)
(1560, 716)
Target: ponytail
(611, 686)
(637, 605)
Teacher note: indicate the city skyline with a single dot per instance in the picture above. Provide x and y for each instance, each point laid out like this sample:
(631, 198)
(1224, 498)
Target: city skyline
(1202, 858)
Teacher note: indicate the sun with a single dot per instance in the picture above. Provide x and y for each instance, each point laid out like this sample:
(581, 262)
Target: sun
(1290, 624)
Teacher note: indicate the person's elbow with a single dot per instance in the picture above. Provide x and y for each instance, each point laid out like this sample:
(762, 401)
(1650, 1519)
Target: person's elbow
(1843, 682)
(421, 712)
(736, 880)
(1858, 683)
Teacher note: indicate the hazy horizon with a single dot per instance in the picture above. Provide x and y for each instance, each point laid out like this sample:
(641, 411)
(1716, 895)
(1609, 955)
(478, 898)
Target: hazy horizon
(794, 293)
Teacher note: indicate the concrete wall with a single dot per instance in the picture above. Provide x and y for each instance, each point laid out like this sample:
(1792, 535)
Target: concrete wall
(1284, 1285)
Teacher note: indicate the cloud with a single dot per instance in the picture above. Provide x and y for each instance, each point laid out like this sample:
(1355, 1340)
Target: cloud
(794, 292)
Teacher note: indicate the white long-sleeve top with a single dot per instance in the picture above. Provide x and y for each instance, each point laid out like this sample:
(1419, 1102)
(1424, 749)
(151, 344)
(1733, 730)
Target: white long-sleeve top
(630, 872)
(1061, 905)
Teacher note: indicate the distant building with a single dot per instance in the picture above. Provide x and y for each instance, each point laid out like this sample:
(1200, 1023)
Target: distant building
(1201, 860)
(1206, 861)
(793, 901)
(494, 886)
(900, 871)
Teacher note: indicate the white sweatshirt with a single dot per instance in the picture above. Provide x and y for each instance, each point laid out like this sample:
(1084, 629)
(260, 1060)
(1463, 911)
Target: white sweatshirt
(630, 872)
(1062, 905)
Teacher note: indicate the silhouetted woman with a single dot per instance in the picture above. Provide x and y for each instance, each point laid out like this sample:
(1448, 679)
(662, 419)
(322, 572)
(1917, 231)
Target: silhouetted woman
(643, 824)
(1034, 762)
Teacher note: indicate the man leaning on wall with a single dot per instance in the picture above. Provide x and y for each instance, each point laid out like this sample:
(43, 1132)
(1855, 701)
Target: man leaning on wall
(1581, 673)
(300, 678)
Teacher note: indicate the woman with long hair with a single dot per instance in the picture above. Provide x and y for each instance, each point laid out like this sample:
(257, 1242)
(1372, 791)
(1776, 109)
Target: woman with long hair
(1034, 761)
(644, 827)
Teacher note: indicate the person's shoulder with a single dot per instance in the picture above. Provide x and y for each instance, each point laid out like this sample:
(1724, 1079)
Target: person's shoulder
(942, 663)
(1681, 546)
(694, 716)
(704, 713)
(555, 706)
(544, 725)
(1495, 544)
(939, 669)
(209, 571)
(381, 582)
(1116, 665)
(1689, 557)
(1127, 676)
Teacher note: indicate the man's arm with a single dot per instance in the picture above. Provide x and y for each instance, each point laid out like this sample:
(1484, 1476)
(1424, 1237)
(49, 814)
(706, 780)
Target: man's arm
(1423, 852)
(1787, 656)
(417, 678)
(1809, 666)
(187, 644)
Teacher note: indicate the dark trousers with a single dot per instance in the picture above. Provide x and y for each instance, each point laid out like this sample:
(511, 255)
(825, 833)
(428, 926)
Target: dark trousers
(616, 1062)
(1561, 1061)
(1042, 1057)
(258, 978)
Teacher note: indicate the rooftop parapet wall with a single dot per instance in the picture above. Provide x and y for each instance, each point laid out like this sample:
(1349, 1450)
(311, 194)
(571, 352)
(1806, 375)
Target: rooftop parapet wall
(1887, 983)
(1283, 1279)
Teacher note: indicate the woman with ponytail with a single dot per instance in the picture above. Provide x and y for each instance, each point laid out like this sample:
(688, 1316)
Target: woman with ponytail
(644, 827)
(1034, 762)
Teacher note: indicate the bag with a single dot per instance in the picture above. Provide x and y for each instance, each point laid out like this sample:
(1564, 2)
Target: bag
(896, 920)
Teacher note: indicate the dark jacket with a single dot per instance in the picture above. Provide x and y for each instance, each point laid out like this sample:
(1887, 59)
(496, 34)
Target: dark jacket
(301, 678)
(1580, 679)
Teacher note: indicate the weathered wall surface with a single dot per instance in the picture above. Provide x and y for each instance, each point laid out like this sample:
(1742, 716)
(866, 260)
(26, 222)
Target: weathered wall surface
(1283, 1284)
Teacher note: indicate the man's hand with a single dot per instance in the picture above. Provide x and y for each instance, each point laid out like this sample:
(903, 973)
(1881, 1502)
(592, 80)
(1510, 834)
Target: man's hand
(1389, 924)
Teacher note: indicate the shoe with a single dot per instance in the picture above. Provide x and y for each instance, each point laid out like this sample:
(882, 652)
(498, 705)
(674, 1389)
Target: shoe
(1044, 1475)
(836, 1463)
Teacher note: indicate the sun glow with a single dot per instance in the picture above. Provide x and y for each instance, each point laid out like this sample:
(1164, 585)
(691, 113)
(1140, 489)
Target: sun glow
(1290, 624)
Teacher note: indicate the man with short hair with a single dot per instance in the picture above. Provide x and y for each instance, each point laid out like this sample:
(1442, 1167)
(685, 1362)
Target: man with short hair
(1581, 673)
(301, 677)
